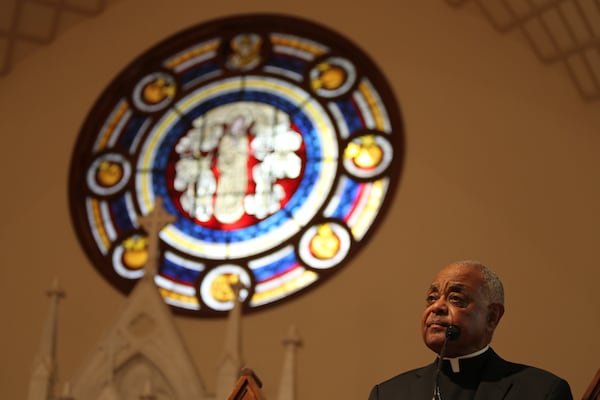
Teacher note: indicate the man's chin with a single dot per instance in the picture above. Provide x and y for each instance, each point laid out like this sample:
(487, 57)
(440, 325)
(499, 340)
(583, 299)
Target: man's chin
(435, 342)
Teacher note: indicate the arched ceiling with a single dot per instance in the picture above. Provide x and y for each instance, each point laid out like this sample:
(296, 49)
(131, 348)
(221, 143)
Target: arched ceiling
(26, 25)
(563, 33)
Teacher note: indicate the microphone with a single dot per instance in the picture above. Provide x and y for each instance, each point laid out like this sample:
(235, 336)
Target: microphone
(452, 333)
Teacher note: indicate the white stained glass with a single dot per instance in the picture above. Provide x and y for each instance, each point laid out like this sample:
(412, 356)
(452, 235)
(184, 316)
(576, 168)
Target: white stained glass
(370, 204)
(284, 72)
(209, 280)
(270, 258)
(119, 160)
(181, 304)
(203, 50)
(305, 252)
(94, 227)
(290, 283)
(387, 154)
(339, 119)
(184, 262)
(174, 286)
(108, 123)
(365, 110)
(121, 269)
(195, 247)
(378, 106)
(296, 42)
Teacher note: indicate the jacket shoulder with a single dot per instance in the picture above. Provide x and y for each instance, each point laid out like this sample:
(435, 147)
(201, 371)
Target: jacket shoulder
(412, 374)
(405, 385)
(526, 381)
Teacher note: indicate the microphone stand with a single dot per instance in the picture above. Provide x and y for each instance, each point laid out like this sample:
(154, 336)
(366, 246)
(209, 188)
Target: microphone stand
(452, 332)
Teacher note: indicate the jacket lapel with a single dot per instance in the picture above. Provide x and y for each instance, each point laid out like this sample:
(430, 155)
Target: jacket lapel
(493, 390)
(425, 381)
(494, 384)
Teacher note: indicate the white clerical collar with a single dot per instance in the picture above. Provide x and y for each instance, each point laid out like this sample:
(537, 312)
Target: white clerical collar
(455, 362)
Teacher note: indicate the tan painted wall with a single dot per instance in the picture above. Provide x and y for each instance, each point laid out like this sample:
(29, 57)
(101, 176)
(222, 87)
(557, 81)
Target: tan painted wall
(501, 166)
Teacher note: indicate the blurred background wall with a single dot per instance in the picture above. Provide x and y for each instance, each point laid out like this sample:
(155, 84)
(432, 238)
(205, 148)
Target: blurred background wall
(501, 166)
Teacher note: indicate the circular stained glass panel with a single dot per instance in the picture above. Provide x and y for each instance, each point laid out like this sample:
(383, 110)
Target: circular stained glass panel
(275, 142)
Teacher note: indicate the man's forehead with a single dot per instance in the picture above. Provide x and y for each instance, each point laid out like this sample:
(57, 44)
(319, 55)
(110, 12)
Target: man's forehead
(449, 286)
(457, 278)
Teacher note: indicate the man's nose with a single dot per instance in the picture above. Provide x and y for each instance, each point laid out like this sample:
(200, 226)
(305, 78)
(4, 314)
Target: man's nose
(439, 307)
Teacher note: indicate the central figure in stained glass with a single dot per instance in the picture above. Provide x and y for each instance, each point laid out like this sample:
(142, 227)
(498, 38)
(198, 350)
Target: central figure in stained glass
(238, 163)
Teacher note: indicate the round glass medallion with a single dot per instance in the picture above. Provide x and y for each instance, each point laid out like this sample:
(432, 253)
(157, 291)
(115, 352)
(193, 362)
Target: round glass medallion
(275, 142)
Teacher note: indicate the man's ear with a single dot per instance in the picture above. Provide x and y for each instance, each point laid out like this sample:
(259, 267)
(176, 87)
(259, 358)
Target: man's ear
(495, 313)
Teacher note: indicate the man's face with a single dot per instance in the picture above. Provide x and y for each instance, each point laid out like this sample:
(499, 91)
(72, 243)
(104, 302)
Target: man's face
(457, 296)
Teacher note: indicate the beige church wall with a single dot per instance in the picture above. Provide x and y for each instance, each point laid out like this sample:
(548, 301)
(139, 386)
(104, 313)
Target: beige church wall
(501, 166)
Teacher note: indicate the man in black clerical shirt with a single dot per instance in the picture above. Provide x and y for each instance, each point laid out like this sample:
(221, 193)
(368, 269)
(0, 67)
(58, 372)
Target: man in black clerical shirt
(469, 297)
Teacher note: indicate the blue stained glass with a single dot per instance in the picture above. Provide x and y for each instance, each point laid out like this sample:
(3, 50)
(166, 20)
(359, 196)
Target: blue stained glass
(296, 114)
(207, 234)
(311, 172)
(288, 63)
(147, 141)
(309, 179)
(177, 272)
(199, 232)
(160, 188)
(348, 196)
(132, 130)
(351, 114)
(121, 218)
(168, 143)
(275, 268)
(257, 229)
(265, 98)
(198, 71)
(214, 102)
(199, 109)
(311, 139)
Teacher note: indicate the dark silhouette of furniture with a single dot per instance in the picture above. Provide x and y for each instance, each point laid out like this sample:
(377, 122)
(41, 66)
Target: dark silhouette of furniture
(593, 390)
(247, 387)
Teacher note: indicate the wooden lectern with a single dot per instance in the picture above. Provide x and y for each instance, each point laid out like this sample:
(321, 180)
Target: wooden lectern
(247, 387)
(593, 391)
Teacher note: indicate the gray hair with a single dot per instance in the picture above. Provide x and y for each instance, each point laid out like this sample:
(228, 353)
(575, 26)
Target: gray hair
(492, 282)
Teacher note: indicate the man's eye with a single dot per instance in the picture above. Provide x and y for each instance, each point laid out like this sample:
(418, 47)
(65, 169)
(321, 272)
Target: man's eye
(431, 299)
(457, 300)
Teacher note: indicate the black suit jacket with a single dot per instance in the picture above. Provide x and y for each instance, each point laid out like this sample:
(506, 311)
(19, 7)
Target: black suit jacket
(501, 380)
